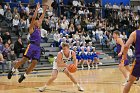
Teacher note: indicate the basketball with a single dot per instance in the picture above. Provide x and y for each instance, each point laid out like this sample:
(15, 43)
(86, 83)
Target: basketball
(72, 68)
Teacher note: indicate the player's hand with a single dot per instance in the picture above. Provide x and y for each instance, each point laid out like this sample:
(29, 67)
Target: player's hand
(124, 57)
(38, 5)
(120, 54)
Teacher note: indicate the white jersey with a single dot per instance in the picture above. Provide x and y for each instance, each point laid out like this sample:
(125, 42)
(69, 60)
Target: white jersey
(64, 58)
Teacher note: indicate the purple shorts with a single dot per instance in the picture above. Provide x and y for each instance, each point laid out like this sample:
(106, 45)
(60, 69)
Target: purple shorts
(136, 68)
(126, 62)
(33, 52)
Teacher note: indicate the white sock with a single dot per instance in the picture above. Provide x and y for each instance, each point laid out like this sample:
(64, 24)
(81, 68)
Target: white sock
(77, 85)
(25, 75)
(13, 69)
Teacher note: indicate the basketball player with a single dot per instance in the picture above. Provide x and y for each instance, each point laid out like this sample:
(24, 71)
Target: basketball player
(135, 72)
(33, 50)
(123, 65)
(60, 64)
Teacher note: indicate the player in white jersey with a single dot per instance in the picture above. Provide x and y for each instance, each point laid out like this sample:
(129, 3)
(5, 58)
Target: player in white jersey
(60, 64)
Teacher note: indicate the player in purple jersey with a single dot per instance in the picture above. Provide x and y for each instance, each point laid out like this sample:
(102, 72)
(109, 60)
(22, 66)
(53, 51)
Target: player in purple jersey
(33, 50)
(123, 65)
(135, 72)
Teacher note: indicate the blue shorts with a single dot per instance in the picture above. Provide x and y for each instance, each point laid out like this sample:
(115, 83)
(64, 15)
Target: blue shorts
(33, 52)
(136, 68)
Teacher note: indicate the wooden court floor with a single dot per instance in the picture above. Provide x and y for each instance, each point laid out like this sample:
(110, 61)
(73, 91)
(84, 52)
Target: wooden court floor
(106, 80)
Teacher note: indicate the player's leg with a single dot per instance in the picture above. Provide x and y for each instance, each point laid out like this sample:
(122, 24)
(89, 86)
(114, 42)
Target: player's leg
(92, 63)
(73, 79)
(129, 84)
(29, 69)
(88, 63)
(17, 65)
(122, 69)
(53, 77)
(96, 62)
(128, 68)
(82, 63)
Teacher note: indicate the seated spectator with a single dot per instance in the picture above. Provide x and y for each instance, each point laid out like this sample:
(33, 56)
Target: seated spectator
(86, 11)
(11, 45)
(22, 26)
(46, 25)
(81, 12)
(56, 38)
(16, 14)
(76, 36)
(2, 62)
(1, 11)
(19, 47)
(44, 35)
(8, 14)
(6, 7)
(16, 25)
(64, 25)
(6, 51)
(124, 36)
(27, 9)
(1, 45)
(6, 37)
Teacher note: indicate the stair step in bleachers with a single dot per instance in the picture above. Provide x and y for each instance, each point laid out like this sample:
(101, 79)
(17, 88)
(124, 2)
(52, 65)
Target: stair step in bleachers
(45, 44)
(52, 49)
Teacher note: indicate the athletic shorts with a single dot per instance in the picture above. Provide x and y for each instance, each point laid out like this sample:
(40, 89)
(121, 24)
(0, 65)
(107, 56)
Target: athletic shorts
(33, 52)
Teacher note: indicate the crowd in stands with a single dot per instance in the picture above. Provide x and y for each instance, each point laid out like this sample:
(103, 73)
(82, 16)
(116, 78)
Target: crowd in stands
(79, 24)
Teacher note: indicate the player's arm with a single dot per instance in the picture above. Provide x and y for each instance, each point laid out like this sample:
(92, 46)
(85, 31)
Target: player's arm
(120, 41)
(74, 58)
(131, 39)
(60, 62)
(31, 30)
(43, 15)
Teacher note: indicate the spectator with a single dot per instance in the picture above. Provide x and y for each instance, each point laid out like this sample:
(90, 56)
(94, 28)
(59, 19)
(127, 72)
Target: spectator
(2, 62)
(6, 37)
(6, 51)
(19, 47)
(1, 11)
(56, 38)
(44, 35)
(1, 45)
(71, 30)
(86, 11)
(7, 6)
(27, 9)
(16, 14)
(8, 14)
(46, 25)
(16, 25)
(64, 25)
(81, 11)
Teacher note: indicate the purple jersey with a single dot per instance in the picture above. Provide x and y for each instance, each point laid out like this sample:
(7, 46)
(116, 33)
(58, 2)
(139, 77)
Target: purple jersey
(118, 48)
(136, 65)
(35, 37)
(33, 50)
(137, 44)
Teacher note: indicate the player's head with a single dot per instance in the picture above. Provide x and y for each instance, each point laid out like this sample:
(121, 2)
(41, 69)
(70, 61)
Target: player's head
(116, 34)
(65, 47)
